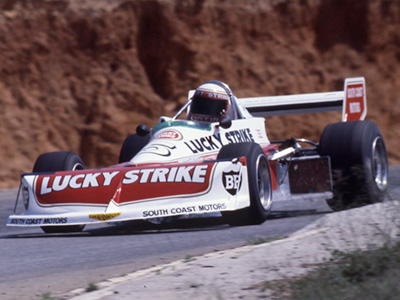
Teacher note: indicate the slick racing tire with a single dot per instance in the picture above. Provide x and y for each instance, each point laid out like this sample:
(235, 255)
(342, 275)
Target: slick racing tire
(131, 146)
(59, 161)
(359, 163)
(259, 180)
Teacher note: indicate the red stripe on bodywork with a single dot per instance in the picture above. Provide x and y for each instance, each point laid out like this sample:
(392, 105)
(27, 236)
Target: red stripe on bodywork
(270, 149)
(273, 168)
(122, 185)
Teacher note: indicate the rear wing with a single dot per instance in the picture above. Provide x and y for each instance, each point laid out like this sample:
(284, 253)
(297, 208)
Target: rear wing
(351, 101)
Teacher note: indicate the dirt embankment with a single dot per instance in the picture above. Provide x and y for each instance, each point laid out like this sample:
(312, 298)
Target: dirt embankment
(82, 74)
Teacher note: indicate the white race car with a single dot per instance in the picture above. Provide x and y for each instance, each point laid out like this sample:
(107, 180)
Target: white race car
(214, 156)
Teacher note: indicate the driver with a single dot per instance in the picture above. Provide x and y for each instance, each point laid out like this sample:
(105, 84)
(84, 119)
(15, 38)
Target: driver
(211, 102)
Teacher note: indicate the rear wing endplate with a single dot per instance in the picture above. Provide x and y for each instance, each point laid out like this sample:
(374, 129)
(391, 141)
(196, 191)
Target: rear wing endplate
(351, 101)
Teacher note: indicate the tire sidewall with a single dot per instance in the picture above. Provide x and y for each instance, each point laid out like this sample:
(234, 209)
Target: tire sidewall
(350, 147)
(131, 146)
(58, 161)
(371, 134)
(258, 211)
(255, 213)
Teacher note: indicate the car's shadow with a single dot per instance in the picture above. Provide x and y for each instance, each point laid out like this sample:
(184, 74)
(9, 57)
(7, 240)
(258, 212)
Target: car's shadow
(157, 226)
(165, 225)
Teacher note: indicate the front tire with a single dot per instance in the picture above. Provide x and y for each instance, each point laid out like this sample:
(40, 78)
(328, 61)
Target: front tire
(131, 146)
(59, 161)
(259, 180)
(359, 163)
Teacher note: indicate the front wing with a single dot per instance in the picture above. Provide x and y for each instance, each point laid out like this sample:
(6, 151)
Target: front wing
(132, 193)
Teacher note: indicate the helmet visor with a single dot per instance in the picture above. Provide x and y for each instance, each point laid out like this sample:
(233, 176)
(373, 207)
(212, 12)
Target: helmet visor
(208, 107)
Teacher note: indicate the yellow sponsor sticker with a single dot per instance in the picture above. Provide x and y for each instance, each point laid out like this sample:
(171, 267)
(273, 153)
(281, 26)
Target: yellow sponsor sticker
(104, 217)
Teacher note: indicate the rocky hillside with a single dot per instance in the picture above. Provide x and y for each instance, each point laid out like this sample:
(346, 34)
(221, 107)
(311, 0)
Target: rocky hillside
(81, 74)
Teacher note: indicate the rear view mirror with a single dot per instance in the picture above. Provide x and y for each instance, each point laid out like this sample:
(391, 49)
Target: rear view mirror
(142, 130)
(225, 122)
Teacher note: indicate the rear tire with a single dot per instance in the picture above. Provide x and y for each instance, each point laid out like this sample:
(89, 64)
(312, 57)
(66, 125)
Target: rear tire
(59, 161)
(359, 163)
(259, 179)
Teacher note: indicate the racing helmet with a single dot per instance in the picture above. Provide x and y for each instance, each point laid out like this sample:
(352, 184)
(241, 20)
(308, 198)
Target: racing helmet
(211, 102)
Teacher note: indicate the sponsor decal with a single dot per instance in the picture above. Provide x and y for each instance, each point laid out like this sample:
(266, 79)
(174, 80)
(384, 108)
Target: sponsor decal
(33, 221)
(207, 143)
(169, 135)
(124, 185)
(211, 95)
(232, 182)
(79, 181)
(205, 118)
(259, 133)
(39, 221)
(355, 92)
(193, 174)
(17, 221)
(239, 136)
(55, 220)
(105, 216)
(212, 207)
(158, 149)
(182, 210)
(155, 213)
(355, 105)
(164, 182)
(214, 142)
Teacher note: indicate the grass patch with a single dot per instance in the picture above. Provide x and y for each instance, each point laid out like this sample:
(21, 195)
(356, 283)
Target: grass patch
(46, 296)
(367, 275)
(188, 258)
(91, 287)
(262, 240)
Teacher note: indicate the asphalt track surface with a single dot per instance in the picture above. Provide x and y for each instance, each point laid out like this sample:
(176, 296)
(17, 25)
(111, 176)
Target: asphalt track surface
(33, 263)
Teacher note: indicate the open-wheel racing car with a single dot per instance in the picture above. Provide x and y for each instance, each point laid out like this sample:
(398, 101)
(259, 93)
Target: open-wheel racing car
(214, 156)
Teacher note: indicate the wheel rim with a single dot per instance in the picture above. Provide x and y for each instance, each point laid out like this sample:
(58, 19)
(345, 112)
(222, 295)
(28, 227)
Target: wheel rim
(263, 182)
(77, 167)
(380, 165)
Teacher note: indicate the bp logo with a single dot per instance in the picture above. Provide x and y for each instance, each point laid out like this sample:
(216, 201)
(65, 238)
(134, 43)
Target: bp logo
(232, 181)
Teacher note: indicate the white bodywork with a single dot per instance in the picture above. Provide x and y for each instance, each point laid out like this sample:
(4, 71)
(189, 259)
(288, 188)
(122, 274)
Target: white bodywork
(177, 172)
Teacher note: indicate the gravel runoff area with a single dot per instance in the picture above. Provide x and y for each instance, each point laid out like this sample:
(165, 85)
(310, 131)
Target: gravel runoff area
(240, 273)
